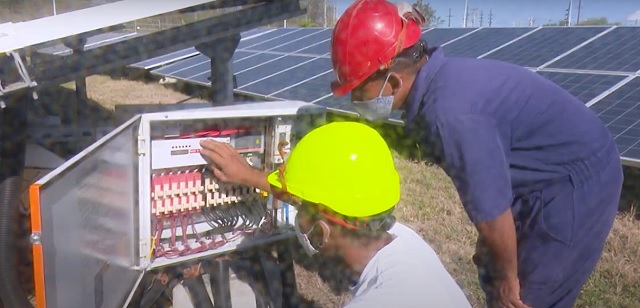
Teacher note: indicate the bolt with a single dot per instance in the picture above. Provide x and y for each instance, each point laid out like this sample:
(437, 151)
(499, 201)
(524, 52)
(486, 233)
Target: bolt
(35, 238)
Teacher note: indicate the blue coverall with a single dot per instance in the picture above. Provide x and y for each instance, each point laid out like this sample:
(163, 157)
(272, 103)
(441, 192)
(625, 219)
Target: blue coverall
(509, 138)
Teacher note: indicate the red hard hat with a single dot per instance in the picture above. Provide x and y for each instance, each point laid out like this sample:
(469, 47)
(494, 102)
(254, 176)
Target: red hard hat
(367, 37)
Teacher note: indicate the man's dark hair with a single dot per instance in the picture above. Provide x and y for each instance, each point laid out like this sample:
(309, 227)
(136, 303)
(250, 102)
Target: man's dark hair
(407, 61)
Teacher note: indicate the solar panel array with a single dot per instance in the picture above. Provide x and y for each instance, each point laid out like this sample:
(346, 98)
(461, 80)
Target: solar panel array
(599, 65)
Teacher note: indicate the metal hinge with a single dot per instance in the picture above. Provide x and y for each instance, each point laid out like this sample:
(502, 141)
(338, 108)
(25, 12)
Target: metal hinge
(141, 145)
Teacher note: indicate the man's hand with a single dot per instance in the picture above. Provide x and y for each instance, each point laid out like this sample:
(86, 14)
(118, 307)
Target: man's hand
(496, 251)
(226, 163)
(508, 294)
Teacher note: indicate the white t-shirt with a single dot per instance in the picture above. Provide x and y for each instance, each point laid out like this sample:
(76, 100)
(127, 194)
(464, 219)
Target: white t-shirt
(406, 273)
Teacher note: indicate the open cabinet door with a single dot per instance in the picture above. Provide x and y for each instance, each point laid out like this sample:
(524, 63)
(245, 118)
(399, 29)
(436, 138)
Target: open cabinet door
(83, 218)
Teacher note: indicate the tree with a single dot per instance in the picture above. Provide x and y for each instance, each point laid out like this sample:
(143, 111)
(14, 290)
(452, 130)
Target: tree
(593, 21)
(601, 21)
(428, 12)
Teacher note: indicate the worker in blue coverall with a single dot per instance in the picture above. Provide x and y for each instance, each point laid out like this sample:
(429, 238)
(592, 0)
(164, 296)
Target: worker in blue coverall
(537, 171)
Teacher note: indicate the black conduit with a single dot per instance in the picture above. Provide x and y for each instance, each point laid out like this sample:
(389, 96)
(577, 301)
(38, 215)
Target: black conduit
(12, 158)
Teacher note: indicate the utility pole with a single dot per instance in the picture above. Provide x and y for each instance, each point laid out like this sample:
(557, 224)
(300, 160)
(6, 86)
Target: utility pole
(466, 13)
(481, 18)
(473, 17)
(449, 16)
(490, 17)
(325, 13)
(567, 16)
(54, 8)
(578, 16)
(570, 12)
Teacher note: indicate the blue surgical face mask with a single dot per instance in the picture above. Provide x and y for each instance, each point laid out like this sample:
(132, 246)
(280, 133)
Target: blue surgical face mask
(376, 109)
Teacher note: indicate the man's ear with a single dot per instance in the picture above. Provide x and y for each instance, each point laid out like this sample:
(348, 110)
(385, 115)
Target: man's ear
(326, 233)
(395, 80)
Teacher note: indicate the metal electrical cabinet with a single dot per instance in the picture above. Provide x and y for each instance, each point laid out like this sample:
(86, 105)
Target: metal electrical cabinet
(142, 198)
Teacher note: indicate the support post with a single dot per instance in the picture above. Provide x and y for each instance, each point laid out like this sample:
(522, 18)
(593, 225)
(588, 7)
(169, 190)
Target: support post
(220, 284)
(220, 52)
(79, 114)
(77, 46)
(287, 275)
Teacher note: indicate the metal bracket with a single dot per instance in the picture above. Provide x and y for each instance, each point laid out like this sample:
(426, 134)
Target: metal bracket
(25, 83)
(143, 47)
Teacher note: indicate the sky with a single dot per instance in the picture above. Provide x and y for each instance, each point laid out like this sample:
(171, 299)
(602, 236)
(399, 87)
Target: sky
(517, 12)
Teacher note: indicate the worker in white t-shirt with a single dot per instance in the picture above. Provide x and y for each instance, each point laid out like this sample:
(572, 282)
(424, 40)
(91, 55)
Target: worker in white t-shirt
(342, 179)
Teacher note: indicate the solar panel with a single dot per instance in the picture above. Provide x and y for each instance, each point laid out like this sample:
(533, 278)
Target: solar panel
(201, 65)
(319, 48)
(285, 39)
(175, 68)
(201, 78)
(308, 91)
(247, 60)
(323, 35)
(544, 45)
(620, 111)
(483, 41)
(95, 41)
(165, 59)
(268, 69)
(583, 86)
(189, 52)
(256, 31)
(265, 37)
(288, 71)
(439, 36)
(617, 50)
(296, 75)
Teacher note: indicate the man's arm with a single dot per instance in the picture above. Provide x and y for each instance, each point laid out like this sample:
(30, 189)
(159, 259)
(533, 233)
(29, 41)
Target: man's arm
(474, 150)
(498, 236)
(258, 179)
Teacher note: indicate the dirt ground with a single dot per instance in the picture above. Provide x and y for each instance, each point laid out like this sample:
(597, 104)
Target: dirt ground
(431, 206)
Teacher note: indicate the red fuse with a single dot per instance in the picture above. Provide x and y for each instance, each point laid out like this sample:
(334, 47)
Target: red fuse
(182, 182)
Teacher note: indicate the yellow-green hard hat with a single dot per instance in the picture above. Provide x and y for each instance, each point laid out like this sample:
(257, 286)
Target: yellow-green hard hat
(345, 166)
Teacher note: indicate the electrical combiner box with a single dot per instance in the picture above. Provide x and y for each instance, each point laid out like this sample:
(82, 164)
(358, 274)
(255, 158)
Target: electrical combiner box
(142, 198)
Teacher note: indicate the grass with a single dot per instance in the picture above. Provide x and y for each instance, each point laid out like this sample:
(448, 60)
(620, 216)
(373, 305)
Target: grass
(431, 206)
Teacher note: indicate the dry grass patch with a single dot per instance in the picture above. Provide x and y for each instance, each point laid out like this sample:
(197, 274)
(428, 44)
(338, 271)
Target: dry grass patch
(111, 92)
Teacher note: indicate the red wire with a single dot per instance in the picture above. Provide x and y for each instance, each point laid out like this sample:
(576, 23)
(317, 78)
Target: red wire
(215, 133)
(159, 249)
(203, 245)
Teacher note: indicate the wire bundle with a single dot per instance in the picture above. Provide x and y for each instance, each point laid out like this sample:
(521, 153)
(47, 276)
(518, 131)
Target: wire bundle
(235, 220)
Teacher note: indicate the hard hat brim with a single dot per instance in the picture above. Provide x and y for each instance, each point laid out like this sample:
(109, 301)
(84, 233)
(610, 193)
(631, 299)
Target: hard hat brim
(274, 179)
